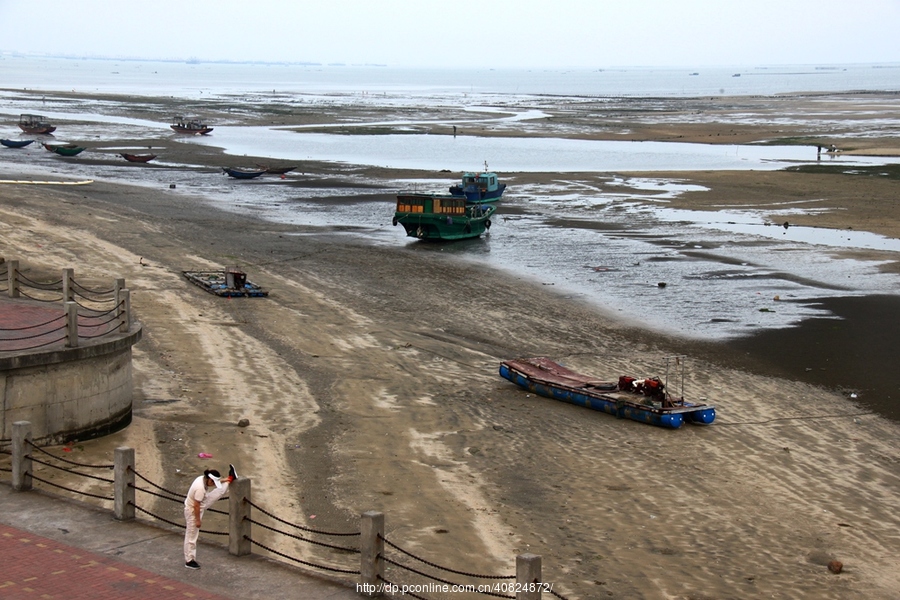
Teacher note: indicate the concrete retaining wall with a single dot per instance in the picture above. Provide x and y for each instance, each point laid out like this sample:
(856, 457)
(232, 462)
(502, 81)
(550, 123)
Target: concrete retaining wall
(69, 394)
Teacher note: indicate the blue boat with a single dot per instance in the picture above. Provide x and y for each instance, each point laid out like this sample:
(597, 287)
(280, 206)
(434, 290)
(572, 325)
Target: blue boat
(15, 143)
(479, 187)
(645, 400)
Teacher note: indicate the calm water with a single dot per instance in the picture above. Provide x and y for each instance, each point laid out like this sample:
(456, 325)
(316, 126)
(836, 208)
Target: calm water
(190, 80)
(520, 155)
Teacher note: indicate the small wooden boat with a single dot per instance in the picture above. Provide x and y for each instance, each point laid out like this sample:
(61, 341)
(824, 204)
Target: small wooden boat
(242, 172)
(435, 217)
(65, 149)
(190, 126)
(15, 143)
(639, 399)
(229, 283)
(479, 187)
(277, 170)
(137, 158)
(35, 124)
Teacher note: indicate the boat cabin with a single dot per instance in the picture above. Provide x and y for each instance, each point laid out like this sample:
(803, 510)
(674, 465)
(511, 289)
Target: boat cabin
(35, 124)
(180, 123)
(424, 203)
(33, 120)
(486, 181)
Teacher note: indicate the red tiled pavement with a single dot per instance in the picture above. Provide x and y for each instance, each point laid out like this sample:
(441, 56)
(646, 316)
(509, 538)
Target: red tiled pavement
(35, 567)
(24, 326)
(72, 545)
(33, 325)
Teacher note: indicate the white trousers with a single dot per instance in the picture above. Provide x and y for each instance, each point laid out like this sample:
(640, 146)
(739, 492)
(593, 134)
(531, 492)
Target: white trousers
(192, 532)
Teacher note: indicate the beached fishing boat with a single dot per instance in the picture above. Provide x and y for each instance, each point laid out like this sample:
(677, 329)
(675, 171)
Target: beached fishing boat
(15, 143)
(35, 124)
(190, 126)
(137, 158)
(243, 173)
(640, 399)
(65, 149)
(277, 170)
(432, 217)
(479, 187)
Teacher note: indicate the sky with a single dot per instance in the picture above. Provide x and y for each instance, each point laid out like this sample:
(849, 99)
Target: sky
(462, 33)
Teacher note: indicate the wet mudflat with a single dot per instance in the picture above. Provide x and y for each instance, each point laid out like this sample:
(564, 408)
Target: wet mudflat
(369, 373)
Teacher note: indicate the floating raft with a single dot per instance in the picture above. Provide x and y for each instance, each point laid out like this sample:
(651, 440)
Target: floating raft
(228, 283)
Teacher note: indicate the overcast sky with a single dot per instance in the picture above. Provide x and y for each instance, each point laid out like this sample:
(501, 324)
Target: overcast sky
(463, 33)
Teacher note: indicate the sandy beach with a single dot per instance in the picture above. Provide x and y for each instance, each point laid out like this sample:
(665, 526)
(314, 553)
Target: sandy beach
(369, 376)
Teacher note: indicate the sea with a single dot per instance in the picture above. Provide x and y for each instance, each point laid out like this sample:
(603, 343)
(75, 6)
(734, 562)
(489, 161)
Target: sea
(189, 79)
(700, 275)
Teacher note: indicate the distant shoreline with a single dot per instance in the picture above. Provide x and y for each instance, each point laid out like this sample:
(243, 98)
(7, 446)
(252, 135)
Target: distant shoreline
(830, 66)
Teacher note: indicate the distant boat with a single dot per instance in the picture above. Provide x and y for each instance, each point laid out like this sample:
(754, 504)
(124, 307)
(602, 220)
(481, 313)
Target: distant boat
(35, 124)
(137, 158)
(15, 143)
(190, 126)
(243, 173)
(277, 170)
(479, 187)
(65, 149)
(435, 217)
(645, 400)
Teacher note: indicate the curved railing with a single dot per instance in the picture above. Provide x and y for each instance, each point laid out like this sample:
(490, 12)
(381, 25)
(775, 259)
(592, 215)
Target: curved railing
(398, 576)
(72, 313)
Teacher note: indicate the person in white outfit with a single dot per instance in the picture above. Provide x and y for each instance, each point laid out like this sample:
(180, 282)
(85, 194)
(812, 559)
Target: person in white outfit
(199, 498)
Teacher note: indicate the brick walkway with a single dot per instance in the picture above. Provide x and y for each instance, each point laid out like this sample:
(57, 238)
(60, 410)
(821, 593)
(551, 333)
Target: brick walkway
(41, 326)
(37, 567)
(58, 549)
(29, 324)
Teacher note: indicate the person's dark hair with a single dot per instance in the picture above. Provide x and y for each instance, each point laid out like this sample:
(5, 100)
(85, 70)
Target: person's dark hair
(212, 472)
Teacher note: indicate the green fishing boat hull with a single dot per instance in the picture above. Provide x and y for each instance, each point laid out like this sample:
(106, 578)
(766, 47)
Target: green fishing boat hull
(435, 226)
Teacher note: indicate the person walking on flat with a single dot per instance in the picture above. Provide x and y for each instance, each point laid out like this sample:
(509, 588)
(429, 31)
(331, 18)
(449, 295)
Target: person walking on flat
(195, 504)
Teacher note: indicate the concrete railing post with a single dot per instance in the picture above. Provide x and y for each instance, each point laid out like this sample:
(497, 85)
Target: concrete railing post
(12, 272)
(528, 575)
(371, 553)
(21, 456)
(71, 325)
(68, 277)
(239, 517)
(123, 475)
(123, 309)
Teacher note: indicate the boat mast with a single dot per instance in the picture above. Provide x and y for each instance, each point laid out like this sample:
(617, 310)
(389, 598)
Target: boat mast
(677, 363)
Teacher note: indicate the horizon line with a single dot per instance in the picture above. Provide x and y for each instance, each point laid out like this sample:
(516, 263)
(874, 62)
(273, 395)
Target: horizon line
(197, 60)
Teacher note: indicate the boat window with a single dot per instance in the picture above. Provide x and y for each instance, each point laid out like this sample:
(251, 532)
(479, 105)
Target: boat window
(450, 206)
(410, 204)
